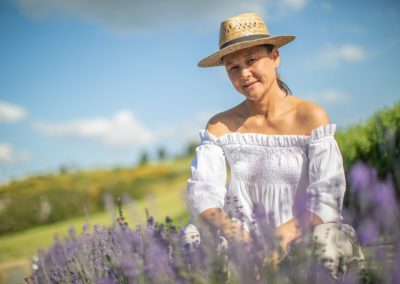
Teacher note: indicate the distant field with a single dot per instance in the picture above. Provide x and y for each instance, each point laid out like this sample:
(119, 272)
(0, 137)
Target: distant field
(55, 197)
(17, 249)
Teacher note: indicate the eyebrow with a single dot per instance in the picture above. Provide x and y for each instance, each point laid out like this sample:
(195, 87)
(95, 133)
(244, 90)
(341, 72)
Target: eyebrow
(244, 55)
(228, 63)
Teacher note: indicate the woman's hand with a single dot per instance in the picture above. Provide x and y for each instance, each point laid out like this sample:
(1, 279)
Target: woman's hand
(287, 233)
(284, 235)
(231, 230)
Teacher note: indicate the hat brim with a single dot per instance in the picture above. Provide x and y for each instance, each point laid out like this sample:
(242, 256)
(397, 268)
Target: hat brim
(215, 59)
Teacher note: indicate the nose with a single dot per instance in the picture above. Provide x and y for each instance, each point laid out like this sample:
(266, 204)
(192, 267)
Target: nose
(245, 73)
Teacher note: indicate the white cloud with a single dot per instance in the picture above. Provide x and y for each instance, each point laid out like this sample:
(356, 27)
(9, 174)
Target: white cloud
(121, 130)
(124, 131)
(334, 57)
(328, 97)
(10, 112)
(124, 16)
(9, 156)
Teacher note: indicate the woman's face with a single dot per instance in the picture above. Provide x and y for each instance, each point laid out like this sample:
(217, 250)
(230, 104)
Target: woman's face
(252, 71)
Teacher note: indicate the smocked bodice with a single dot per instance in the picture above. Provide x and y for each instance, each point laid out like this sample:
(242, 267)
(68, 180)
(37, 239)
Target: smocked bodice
(257, 158)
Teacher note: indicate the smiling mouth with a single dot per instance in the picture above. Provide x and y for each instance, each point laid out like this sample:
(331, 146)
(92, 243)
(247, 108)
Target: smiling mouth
(248, 85)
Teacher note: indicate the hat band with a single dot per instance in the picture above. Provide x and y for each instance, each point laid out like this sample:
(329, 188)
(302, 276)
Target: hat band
(243, 38)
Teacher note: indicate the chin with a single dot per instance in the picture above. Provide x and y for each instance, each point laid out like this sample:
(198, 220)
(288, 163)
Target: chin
(253, 97)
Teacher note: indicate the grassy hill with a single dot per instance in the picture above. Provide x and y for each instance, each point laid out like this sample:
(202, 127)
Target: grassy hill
(46, 199)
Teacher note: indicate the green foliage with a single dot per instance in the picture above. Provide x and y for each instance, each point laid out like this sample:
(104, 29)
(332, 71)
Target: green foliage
(46, 199)
(361, 141)
(376, 142)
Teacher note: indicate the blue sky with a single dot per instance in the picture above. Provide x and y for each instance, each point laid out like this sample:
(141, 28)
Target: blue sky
(94, 83)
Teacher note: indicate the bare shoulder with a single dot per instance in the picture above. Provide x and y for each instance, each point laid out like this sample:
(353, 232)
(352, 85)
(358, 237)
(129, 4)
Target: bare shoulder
(220, 123)
(311, 115)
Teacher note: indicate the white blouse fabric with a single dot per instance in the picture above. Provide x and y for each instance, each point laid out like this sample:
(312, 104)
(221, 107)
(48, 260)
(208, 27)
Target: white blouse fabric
(278, 172)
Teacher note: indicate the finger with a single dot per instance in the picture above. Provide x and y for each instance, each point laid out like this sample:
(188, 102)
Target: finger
(256, 272)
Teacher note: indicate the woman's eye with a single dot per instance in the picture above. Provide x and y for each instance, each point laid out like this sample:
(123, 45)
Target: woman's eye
(251, 60)
(233, 68)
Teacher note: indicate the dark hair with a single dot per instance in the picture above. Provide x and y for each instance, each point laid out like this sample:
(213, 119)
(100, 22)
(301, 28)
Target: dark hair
(281, 84)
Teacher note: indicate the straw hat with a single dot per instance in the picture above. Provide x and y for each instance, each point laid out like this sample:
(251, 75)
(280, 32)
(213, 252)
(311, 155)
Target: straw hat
(243, 31)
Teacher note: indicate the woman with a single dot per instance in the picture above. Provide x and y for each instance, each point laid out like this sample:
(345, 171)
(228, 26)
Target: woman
(280, 149)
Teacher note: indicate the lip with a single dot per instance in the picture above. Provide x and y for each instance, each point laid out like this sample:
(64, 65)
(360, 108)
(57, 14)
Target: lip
(248, 85)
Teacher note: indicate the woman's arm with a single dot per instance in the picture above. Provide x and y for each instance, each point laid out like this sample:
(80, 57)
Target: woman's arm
(217, 219)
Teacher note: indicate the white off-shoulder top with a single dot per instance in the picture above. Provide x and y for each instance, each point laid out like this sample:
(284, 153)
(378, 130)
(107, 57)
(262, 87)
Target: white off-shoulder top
(278, 172)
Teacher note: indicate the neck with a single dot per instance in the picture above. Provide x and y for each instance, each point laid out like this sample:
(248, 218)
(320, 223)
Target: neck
(268, 106)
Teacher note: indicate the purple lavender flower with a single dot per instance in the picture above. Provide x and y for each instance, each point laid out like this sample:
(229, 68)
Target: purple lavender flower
(361, 176)
(368, 232)
(384, 202)
(154, 254)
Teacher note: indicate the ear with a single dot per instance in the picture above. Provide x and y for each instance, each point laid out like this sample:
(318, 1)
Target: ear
(276, 57)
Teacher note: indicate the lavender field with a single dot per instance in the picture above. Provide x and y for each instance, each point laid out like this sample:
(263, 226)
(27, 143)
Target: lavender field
(155, 253)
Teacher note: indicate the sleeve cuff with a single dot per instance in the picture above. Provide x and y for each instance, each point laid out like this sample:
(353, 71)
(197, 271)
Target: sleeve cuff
(203, 196)
(326, 212)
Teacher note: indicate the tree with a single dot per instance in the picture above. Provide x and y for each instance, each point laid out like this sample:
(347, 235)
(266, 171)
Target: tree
(161, 154)
(191, 148)
(144, 159)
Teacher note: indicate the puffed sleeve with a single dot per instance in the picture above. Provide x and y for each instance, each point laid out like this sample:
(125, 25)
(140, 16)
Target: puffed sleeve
(207, 183)
(327, 182)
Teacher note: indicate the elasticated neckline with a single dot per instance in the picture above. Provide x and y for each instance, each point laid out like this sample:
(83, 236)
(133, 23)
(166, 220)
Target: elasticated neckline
(282, 140)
